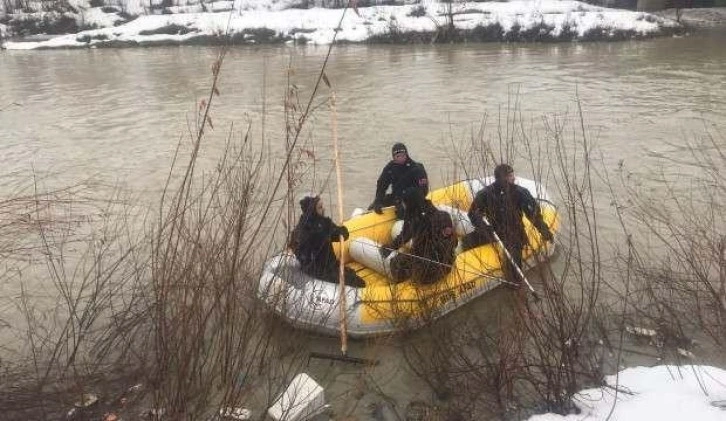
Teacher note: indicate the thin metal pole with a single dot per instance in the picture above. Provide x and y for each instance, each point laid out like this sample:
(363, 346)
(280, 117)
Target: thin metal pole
(509, 256)
(423, 259)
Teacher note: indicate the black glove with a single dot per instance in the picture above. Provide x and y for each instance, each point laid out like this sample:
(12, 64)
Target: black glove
(377, 208)
(343, 230)
(547, 235)
(385, 252)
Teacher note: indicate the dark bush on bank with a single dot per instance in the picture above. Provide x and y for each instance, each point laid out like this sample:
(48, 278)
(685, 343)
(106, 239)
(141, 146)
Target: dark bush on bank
(568, 33)
(43, 23)
(88, 38)
(539, 32)
(493, 32)
(172, 29)
(496, 33)
(261, 36)
(417, 12)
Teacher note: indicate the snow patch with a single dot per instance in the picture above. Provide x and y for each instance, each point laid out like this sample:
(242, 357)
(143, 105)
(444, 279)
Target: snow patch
(663, 393)
(98, 18)
(318, 25)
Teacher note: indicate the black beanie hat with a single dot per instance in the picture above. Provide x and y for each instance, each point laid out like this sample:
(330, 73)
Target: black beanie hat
(307, 203)
(502, 170)
(397, 148)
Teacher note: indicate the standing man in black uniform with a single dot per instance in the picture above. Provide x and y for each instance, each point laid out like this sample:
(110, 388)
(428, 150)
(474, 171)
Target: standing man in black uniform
(402, 173)
(503, 204)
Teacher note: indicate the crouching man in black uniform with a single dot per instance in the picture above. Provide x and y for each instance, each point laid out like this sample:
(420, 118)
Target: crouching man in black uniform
(312, 243)
(434, 242)
(503, 204)
(402, 173)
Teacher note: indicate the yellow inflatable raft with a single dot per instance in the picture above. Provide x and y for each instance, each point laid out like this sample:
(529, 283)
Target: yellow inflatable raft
(381, 306)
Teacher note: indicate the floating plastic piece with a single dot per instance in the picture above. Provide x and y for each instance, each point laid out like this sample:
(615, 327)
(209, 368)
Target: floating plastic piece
(302, 400)
(685, 353)
(110, 417)
(237, 414)
(641, 331)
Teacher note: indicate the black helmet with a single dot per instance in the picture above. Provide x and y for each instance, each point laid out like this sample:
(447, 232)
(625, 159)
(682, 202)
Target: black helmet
(398, 148)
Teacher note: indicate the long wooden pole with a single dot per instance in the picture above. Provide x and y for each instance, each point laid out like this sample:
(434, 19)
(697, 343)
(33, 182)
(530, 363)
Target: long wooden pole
(341, 269)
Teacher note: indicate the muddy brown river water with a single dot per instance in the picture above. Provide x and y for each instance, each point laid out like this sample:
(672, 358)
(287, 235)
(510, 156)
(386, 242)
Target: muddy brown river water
(112, 119)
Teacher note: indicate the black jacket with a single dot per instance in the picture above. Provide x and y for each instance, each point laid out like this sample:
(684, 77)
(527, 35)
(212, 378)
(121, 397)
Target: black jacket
(434, 241)
(402, 177)
(503, 205)
(312, 243)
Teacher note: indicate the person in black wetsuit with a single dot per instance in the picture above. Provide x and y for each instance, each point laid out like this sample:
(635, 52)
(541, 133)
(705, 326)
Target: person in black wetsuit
(503, 203)
(432, 251)
(401, 174)
(312, 243)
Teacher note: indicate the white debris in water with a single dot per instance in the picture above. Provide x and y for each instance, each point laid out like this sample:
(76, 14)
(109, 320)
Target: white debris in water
(641, 331)
(686, 353)
(303, 399)
(318, 25)
(236, 414)
(87, 399)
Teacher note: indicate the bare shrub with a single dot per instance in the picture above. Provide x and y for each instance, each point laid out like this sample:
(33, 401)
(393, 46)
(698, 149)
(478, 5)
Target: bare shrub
(75, 263)
(172, 308)
(527, 355)
(680, 238)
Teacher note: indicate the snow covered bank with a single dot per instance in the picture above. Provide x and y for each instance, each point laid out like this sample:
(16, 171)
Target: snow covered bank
(663, 393)
(518, 20)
